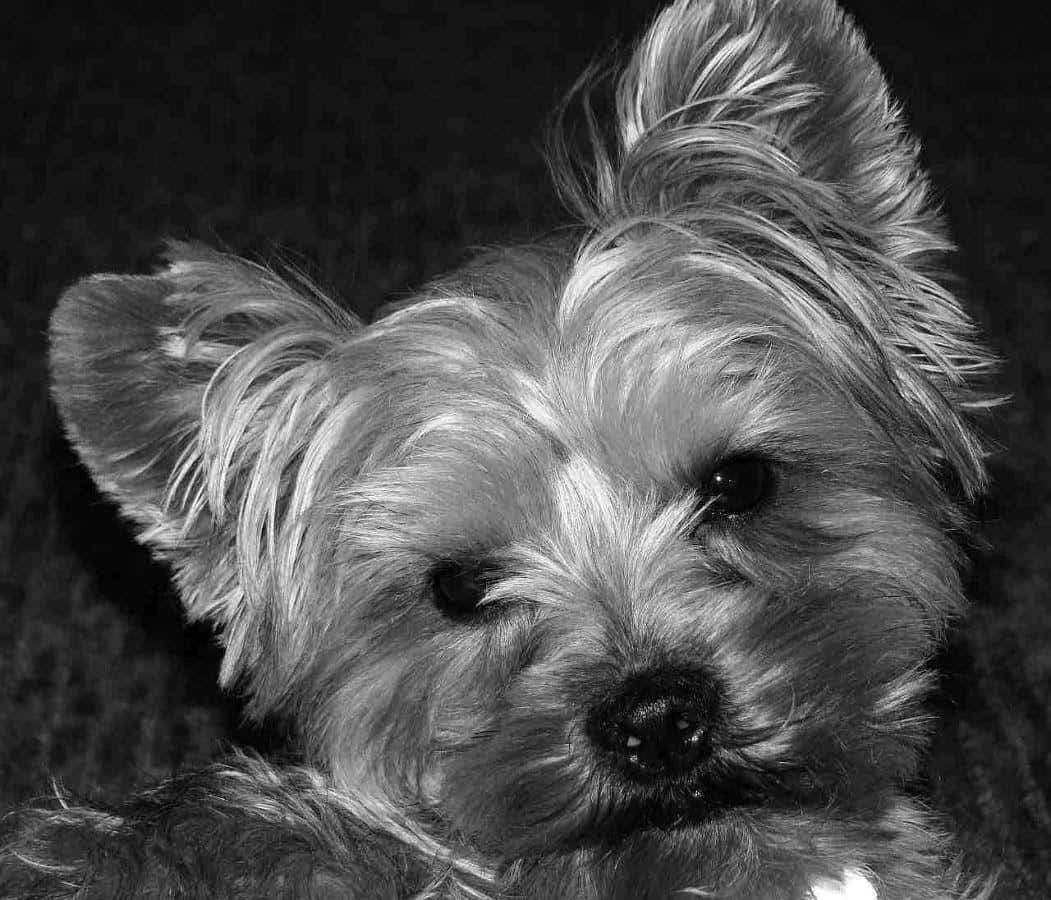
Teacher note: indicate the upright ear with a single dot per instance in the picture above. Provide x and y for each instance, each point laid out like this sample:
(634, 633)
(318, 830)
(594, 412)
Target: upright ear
(763, 89)
(194, 397)
(763, 129)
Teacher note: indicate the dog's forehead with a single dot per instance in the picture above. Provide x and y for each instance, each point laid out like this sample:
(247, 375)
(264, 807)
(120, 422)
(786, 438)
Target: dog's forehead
(649, 367)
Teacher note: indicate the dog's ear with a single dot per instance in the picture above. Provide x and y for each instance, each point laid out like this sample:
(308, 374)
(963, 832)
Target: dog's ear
(764, 91)
(764, 129)
(195, 397)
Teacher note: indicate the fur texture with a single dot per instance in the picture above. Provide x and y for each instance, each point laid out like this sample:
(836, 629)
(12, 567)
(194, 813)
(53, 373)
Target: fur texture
(608, 567)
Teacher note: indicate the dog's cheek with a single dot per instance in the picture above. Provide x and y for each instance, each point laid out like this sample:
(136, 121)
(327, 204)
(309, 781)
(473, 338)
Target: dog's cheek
(847, 541)
(520, 787)
(822, 685)
(399, 690)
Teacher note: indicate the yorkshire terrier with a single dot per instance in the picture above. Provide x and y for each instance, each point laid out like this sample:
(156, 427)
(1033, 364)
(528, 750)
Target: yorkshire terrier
(608, 566)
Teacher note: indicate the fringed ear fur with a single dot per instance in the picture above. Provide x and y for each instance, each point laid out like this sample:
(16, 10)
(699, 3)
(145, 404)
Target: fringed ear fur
(192, 396)
(719, 89)
(765, 131)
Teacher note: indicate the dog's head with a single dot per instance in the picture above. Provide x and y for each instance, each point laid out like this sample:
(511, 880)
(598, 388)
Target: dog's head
(647, 531)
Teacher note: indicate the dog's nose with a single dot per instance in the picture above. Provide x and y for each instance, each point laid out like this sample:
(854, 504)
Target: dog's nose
(658, 723)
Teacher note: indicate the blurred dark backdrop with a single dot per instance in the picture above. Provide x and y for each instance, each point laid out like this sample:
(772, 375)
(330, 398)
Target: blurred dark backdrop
(373, 148)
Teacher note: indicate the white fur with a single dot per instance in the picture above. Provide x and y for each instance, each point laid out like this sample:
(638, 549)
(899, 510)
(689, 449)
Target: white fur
(852, 886)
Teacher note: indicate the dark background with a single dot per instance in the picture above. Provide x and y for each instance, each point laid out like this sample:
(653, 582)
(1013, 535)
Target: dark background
(373, 148)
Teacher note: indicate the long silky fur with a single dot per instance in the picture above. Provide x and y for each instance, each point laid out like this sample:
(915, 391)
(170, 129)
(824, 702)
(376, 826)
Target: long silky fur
(241, 829)
(756, 272)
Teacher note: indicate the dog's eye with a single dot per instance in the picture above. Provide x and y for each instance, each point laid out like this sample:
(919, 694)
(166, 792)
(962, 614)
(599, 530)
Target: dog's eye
(458, 589)
(738, 485)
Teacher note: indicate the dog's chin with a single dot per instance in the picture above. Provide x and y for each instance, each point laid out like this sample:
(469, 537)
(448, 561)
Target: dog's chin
(685, 811)
(697, 801)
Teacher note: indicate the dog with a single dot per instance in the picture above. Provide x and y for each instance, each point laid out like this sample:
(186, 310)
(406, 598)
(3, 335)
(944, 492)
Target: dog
(608, 566)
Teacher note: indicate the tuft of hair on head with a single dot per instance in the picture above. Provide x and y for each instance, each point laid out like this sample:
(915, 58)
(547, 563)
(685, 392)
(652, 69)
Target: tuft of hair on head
(766, 131)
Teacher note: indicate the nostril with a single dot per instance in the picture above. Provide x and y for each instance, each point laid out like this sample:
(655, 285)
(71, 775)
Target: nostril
(662, 736)
(657, 723)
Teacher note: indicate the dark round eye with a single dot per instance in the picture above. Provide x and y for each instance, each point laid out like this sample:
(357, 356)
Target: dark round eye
(738, 485)
(458, 588)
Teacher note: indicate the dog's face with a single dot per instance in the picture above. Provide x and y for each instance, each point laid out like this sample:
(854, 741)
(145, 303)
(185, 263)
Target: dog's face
(638, 532)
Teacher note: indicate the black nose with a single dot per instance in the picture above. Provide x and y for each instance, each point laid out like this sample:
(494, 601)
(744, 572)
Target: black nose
(658, 723)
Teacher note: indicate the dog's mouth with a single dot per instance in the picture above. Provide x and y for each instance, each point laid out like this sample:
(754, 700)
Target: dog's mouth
(599, 798)
(668, 753)
(701, 798)
(664, 754)
(721, 774)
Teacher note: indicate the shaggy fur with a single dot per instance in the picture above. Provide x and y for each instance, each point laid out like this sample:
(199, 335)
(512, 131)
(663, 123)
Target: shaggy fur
(607, 567)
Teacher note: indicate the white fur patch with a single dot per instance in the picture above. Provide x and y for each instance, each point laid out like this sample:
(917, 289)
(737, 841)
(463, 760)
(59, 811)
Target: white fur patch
(175, 345)
(853, 886)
